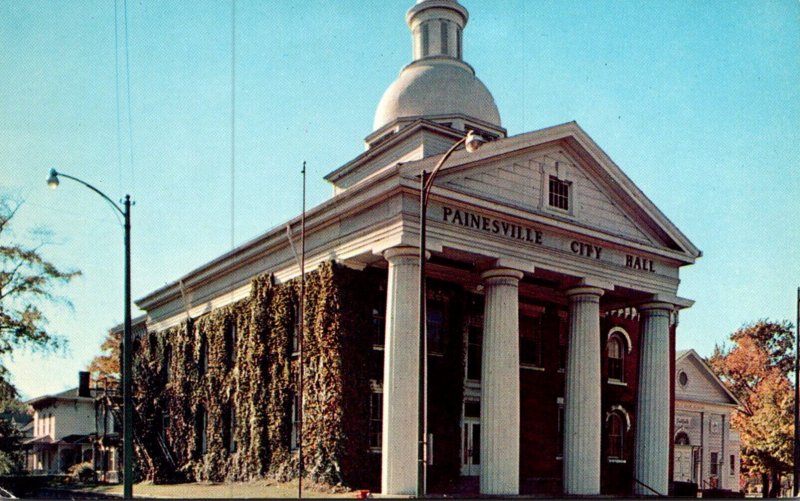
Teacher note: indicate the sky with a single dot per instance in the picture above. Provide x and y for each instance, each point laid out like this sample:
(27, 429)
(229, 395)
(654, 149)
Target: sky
(697, 102)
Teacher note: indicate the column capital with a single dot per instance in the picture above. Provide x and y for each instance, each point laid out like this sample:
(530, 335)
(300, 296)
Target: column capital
(656, 306)
(585, 291)
(502, 273)
(395, 254)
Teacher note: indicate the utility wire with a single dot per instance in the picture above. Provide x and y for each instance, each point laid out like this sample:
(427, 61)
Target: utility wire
(233, 119)
(116, 89)
(128, 87)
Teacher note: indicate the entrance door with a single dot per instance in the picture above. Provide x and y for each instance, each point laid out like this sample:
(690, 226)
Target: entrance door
(471, 447)
(683, 463)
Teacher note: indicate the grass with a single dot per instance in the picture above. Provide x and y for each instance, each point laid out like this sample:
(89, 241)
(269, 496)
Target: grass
(258, 489)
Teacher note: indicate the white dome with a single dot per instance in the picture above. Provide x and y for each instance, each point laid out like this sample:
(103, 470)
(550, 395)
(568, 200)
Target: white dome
(435, 87)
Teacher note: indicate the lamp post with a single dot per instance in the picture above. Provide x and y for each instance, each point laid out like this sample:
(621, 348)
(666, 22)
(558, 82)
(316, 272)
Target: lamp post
(471, 143)
(127, 352)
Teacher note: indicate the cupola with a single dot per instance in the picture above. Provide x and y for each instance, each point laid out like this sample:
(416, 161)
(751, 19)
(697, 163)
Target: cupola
(437, 85)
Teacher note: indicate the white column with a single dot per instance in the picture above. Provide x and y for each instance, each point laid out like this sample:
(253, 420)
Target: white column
(582, 420)
(500, 384)
(400, 374)
(651, 460)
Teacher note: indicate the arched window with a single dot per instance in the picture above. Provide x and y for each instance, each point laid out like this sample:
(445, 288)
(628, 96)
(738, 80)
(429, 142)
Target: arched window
(617, 347)
(682, 438)
(616, 359)
(616, 436)
(618, 423)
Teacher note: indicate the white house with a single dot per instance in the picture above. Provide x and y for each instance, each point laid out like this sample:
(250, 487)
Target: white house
(706, 448)
(72, 427)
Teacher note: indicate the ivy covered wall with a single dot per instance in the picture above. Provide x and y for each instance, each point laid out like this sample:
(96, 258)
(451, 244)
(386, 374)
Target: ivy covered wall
(213, 396)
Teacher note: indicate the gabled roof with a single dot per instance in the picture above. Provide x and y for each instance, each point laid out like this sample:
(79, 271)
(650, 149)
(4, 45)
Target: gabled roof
(691, 354)
(592, 158)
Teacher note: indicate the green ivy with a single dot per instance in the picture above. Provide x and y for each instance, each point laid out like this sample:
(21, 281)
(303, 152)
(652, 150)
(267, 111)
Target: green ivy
(259, 385)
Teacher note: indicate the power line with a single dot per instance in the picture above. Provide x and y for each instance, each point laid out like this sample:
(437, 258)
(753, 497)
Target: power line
(128, 88)
(116, 89)
(233, 119)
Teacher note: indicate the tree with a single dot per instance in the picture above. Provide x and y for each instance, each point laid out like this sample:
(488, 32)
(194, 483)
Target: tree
(756, 368)
(27, 281)
(10, 447)
(106, 365)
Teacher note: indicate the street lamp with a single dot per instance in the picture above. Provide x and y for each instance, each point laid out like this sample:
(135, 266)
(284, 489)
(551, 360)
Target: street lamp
(127, 351)
(471, 143)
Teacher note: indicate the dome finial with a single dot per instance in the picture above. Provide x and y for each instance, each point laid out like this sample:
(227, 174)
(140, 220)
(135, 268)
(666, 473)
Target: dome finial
(436, 27)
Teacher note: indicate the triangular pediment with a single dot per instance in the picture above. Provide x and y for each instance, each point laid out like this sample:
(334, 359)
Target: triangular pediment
(700, 384)
(516, 172)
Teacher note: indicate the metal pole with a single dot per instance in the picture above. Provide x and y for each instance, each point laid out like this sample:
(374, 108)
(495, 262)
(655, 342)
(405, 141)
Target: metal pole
(127, 347)
(423, 342)
(301, 335)
(127, 367)
(796, 476)
(425, 185)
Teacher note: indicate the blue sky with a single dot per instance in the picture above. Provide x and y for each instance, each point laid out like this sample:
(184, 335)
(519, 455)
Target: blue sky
(697, 102)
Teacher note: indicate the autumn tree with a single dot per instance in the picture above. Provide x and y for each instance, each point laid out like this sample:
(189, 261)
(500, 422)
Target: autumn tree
(27, 283)
(756, 368)
(106, 365)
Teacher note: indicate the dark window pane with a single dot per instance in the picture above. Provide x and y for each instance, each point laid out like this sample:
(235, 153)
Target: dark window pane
(375, 420)
(472, 409)
(376, 365)
(530, 341)
(474, 340)
(425, 39)
(436, 326)
(443, 28)
(559, 193)
(615, 436)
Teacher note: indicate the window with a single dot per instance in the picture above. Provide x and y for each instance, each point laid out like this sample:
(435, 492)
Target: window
(616, 436)
(294, 439)
(474, 352)
(437, 320)
(164, 425)
(200, 428)
(530, 341)
(378, 326)
(682, 438)
(559, 193)
(375, 420)
(294, 335)
(458, 41)
(683, 379)
(443, 33)
(733, 465)
(616, 358)
(425, 40)
(229, 429)
(202, 363)
(165, 370)
(152, 344)
(714, 467)
(472, 409)
(230, 344)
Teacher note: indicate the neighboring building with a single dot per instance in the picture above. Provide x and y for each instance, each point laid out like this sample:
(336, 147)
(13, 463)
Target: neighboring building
(75, 426)
(551, 313)
(62, 424)
(707, 449)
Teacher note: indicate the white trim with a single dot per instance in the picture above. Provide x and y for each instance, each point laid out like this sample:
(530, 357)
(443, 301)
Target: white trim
(624, 333)
(621, 411)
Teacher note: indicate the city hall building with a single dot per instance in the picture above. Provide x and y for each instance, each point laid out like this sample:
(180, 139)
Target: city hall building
(552, 303)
